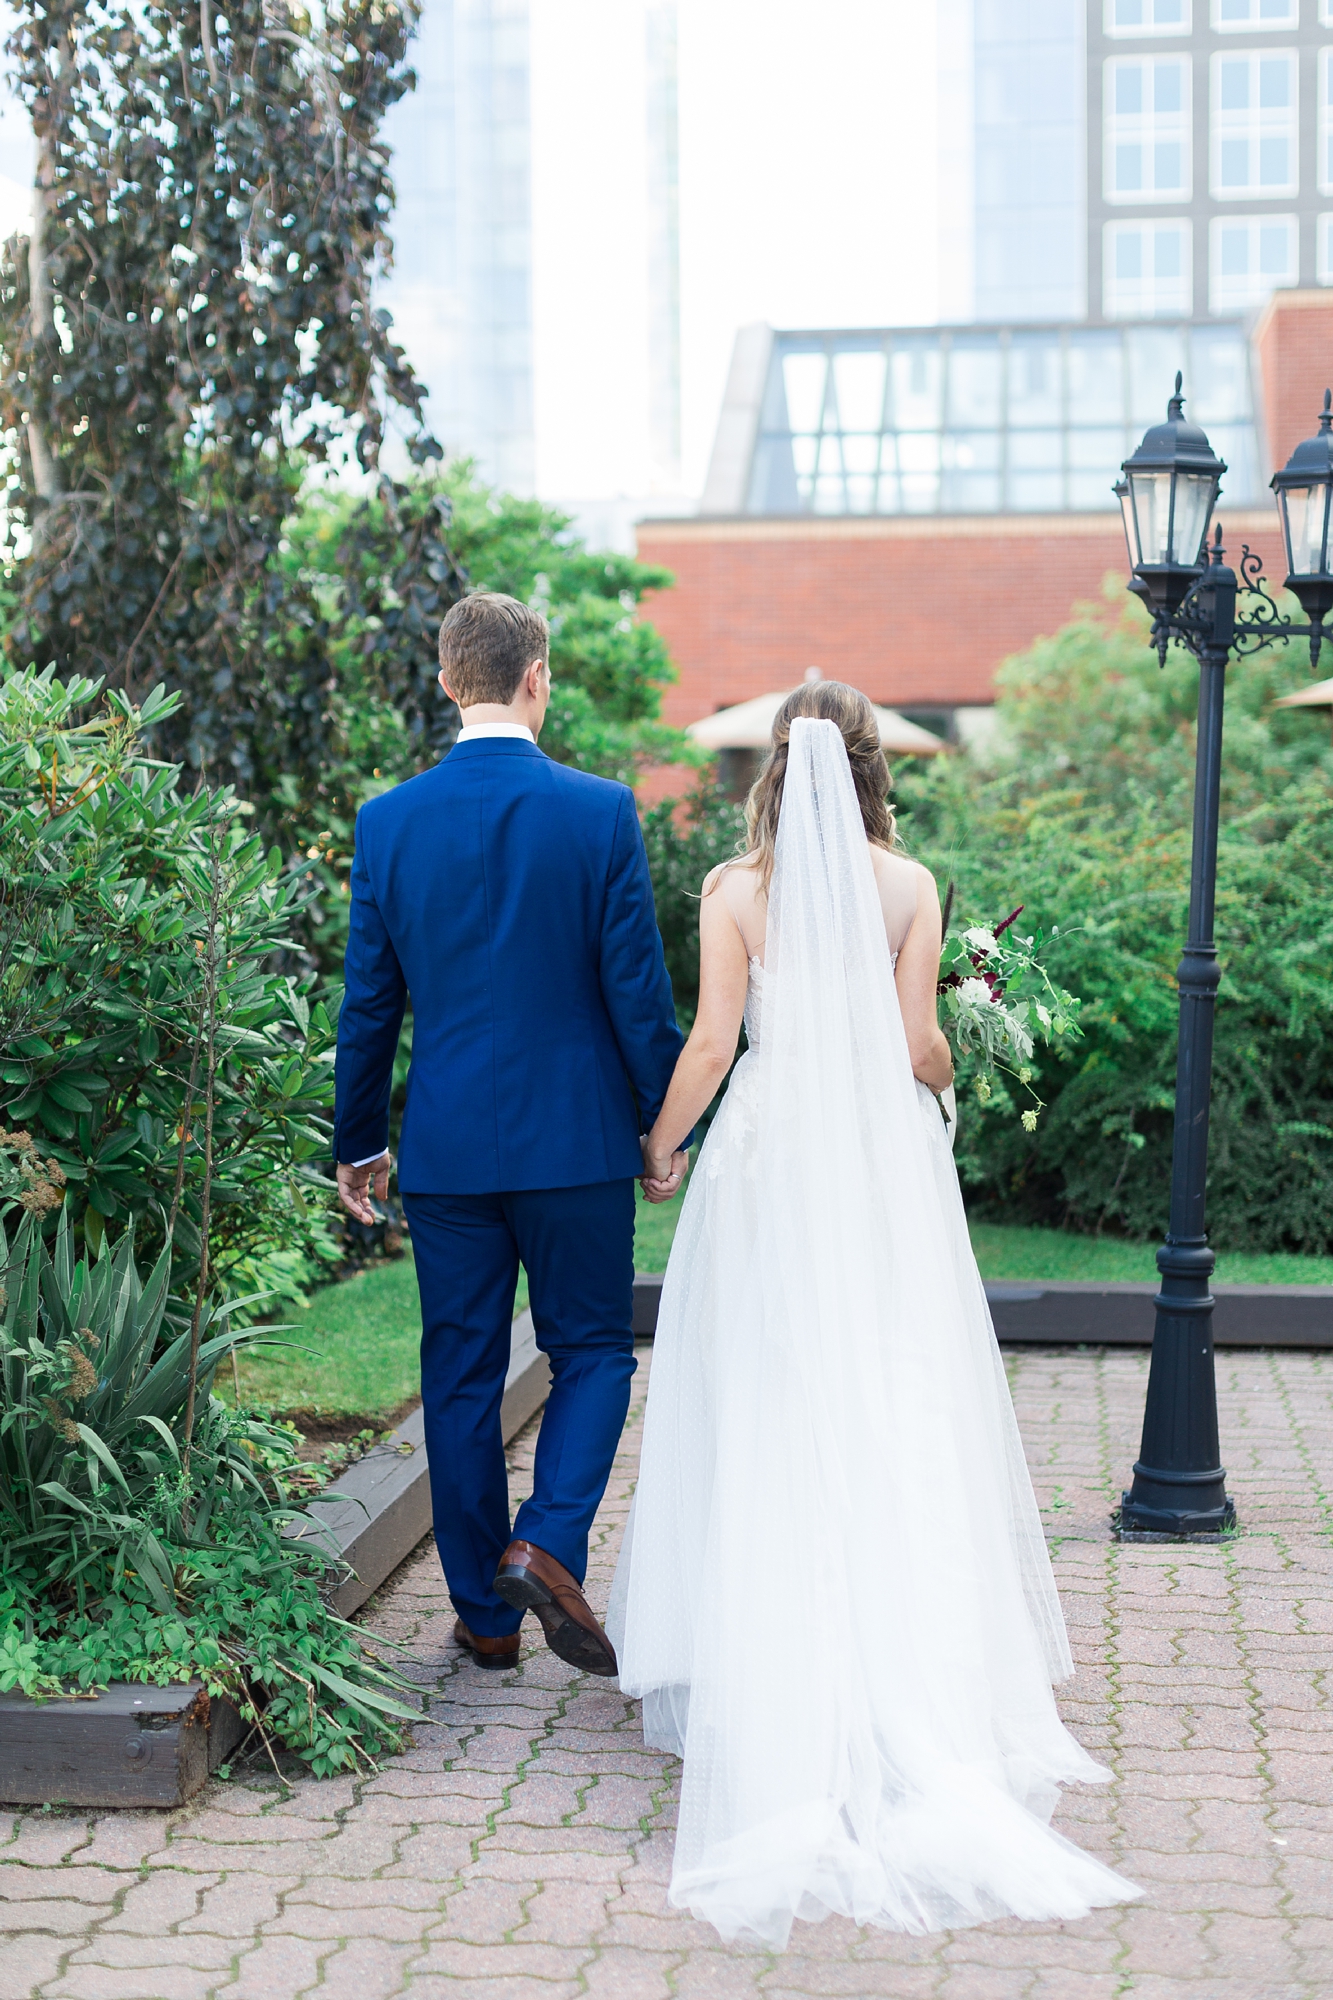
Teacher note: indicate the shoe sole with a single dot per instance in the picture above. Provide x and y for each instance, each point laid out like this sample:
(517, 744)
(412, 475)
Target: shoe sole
(570, 1641)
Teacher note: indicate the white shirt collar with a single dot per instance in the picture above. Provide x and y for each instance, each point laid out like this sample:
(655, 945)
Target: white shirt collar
(472, 732)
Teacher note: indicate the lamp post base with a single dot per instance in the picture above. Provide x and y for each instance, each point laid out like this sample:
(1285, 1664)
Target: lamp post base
(1139, 1523)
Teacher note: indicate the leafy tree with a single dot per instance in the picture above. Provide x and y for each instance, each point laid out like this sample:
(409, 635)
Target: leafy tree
(388, 718)
(189, 326)
(1083, 815)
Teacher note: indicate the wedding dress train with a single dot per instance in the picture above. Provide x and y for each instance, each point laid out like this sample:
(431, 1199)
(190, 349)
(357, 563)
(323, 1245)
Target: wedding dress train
(835, 1597)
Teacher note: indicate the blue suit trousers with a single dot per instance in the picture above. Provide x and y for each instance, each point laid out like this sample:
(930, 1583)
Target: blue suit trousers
(577, 1246)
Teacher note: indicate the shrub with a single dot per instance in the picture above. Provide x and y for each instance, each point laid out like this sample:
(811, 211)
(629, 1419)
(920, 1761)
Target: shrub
(138, 1544)
(124, 899)
(1083, 815)
(684, 841)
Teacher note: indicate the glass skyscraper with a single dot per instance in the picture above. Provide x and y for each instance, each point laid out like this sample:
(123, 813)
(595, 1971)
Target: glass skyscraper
(462, 286)
(461, 289)
(1028, 144)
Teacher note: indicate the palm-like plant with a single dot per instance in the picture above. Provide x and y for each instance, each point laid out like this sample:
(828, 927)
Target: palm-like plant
(92, 1417)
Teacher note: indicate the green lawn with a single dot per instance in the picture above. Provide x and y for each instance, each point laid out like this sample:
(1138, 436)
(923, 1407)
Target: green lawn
(1004, 1252)
(355, 1348)
(653, 1231)
(353, 1352)
(1053, 1253)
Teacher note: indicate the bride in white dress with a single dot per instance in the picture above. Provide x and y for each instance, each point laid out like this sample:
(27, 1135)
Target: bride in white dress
(835, 1598)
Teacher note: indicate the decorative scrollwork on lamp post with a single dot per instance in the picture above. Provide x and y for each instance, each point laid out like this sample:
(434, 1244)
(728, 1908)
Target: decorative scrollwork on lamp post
(1167, 493)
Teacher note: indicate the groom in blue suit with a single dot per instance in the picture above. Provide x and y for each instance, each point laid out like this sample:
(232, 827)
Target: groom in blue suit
(509, 897)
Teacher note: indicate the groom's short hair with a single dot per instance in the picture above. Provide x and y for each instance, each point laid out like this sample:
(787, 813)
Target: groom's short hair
(487, 643)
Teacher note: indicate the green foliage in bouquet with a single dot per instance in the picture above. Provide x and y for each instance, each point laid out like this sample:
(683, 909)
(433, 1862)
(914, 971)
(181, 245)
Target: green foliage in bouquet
(141, 924)
(1082, 810)
(998, 1003)
(141, 1522)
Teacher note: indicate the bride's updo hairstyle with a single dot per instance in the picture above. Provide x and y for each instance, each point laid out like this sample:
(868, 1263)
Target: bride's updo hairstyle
(828, 701)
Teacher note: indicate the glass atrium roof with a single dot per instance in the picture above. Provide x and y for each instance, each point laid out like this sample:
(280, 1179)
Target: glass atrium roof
(978, 420)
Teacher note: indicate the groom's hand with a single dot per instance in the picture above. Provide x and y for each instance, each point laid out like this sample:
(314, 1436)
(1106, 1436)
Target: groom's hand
(356, 1183)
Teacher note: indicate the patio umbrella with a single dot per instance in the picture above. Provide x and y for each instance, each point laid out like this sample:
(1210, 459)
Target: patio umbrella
(749, 726)
(1318, 695)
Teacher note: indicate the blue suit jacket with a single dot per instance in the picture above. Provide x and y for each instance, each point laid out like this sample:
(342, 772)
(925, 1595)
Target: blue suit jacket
(510, 897)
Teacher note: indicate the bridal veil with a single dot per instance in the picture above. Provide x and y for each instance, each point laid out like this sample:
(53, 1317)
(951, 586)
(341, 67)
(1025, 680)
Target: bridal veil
(835, 1597)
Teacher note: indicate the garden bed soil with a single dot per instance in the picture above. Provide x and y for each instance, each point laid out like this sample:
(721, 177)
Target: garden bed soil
(321, 1427)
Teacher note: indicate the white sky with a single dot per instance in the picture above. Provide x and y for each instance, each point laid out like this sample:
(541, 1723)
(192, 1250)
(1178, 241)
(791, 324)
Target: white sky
(807, 164)
(807, 168)
(807, 177)
(16, 149)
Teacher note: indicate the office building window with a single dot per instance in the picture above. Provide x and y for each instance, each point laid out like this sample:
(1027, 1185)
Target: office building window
(1147, 129)
(1326, 13)
(1147, 270)
(1254, 124)
(1249, 257)
(1323, 242)
(978, 419)
(1326, 121)
(1231, 16)
(1149, 17)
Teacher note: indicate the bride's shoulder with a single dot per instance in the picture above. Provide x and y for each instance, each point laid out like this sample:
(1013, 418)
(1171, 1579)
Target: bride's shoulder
(906, 891)
(737, 874)
(891, 867)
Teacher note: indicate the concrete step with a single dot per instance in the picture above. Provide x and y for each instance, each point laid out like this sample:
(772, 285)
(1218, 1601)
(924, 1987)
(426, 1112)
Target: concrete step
(1093, 1313)
(377, 1511)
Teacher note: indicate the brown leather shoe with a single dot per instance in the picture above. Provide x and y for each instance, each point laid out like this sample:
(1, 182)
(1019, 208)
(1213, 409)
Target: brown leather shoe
(497, 1653)
(531, 1580)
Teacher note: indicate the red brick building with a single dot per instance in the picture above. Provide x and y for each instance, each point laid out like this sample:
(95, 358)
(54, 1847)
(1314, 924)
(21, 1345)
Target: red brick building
(919, 608)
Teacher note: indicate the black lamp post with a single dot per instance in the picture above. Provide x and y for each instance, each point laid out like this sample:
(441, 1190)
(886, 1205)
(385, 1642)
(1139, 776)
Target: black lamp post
(1167, 494)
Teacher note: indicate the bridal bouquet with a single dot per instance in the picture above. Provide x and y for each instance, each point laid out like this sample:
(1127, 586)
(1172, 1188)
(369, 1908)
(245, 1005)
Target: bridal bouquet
(1000, 1001)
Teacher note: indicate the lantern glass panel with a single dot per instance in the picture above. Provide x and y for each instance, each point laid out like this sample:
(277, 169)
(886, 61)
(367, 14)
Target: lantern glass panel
(1194, 503)
(1151, 493)
(1305, 523)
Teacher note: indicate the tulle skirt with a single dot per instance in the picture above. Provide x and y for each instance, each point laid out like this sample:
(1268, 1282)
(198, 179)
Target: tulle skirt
(835, 1598)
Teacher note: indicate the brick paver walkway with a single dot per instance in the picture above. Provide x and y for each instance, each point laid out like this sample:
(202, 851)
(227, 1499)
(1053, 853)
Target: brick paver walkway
(520, 1850)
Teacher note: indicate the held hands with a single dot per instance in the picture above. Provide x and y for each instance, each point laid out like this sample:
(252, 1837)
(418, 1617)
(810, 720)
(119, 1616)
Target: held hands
(663, 1172)
(355, 1184)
